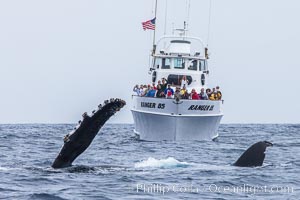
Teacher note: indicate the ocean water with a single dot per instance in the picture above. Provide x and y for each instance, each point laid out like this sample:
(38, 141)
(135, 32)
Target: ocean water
(119, 166)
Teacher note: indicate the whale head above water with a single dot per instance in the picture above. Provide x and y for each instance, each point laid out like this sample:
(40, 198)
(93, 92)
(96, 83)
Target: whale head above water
(254, 156)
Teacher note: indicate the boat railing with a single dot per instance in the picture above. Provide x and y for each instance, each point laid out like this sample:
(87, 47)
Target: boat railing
(222, 100)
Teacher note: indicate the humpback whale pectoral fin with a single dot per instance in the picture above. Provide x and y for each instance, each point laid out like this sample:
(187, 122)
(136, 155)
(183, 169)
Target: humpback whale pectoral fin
(82, 136)
(254, 155)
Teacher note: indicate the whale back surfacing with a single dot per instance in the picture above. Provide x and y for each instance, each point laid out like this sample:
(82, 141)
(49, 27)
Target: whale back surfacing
(254, 155)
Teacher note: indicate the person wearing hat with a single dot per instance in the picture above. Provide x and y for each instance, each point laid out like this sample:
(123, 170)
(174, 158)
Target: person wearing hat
(169, 92)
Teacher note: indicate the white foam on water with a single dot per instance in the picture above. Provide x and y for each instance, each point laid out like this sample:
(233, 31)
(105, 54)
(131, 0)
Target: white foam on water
(4, 169)
(169, 162)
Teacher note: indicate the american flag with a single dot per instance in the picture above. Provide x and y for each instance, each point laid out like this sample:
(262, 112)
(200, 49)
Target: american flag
(150, 24)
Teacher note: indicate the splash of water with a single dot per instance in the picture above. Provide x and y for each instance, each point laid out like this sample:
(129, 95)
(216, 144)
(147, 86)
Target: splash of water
(169, 162)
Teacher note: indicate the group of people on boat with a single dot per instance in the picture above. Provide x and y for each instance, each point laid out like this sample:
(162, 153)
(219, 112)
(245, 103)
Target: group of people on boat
(164, 90)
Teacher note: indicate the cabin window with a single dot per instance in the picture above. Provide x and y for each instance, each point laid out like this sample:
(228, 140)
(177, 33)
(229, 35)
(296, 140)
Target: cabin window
(202, 65)
(157, 63)
(193, 65)
(176, 79)
(166, 63)
(179, 63)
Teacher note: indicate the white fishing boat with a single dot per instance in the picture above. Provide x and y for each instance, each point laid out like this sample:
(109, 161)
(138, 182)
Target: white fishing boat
(156, 119)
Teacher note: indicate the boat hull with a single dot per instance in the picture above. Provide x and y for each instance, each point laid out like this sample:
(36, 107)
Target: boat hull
(183, 120)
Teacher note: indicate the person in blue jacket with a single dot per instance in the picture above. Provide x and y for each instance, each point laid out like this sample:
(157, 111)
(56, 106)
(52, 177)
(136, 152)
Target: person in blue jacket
(169, 92)
(151, 92)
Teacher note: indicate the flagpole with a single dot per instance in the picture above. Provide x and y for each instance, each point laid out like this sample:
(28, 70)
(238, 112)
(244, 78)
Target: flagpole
(154, 46)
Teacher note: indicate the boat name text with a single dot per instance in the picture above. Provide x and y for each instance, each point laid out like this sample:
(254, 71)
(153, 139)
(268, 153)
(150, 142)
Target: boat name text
(201, 107)
(153, 105)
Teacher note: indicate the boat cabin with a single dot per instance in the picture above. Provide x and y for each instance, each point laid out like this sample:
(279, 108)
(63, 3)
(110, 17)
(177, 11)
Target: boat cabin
(177, 61)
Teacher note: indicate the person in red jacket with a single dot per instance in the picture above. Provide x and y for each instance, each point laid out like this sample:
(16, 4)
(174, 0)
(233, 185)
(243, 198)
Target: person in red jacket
(169, 92)
(194, 95)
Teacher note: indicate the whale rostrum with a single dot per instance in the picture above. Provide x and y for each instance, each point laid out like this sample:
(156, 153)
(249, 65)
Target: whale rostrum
(79, 139)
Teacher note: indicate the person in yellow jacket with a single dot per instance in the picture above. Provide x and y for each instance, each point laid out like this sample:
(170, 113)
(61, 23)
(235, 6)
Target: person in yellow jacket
(184, 93)
(219, 93)
(216, 94)
(213, 95)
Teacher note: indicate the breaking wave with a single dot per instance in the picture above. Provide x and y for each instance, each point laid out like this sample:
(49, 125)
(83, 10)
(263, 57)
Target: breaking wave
(169, 162)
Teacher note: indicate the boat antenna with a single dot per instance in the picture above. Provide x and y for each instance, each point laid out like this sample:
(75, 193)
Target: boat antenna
(209, 20)
(154, 45)
(166, 15)
(188, 8)
(173, 28)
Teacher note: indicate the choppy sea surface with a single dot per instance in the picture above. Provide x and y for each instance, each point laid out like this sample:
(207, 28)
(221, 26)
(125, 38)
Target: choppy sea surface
(119, 166)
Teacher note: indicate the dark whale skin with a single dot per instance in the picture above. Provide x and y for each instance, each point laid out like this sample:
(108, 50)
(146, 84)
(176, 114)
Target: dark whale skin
(77, 142)
(254, 156)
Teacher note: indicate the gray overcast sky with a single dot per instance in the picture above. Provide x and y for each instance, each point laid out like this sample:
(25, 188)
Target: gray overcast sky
(61, 58)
